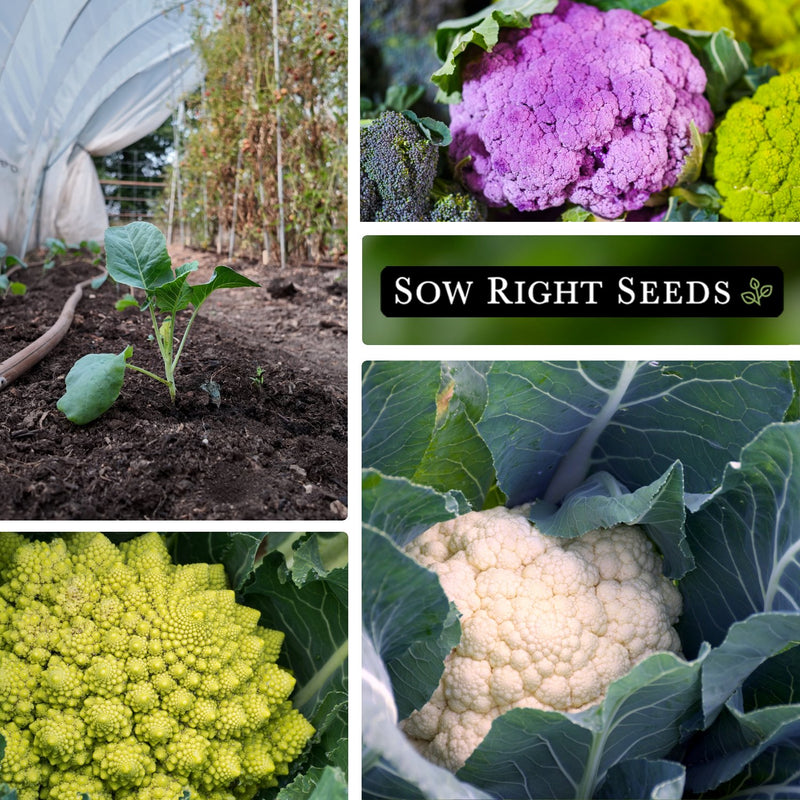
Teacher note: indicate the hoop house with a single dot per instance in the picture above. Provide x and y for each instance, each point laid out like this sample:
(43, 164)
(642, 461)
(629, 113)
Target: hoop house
(81, 78)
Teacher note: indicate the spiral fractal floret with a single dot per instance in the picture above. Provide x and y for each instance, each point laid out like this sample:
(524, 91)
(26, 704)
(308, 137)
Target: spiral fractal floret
(127, 677)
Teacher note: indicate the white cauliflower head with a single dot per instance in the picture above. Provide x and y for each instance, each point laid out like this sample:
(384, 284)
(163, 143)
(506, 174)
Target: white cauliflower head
(546, 623)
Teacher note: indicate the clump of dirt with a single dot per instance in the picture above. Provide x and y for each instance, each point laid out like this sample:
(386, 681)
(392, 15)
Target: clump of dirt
(259, 428)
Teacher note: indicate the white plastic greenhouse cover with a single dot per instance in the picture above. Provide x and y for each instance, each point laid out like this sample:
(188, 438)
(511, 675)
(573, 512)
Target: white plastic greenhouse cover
(80, 78)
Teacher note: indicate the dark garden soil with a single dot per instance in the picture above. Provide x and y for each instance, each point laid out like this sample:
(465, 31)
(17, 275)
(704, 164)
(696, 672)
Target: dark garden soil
(274, 447)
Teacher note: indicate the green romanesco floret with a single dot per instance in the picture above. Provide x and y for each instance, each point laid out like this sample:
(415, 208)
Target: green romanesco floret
(69, 784)
(398, 167)
(127, 677)
(754, 160)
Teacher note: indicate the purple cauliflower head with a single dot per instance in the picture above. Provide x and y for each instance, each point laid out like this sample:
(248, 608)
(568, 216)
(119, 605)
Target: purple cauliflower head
(585, 106)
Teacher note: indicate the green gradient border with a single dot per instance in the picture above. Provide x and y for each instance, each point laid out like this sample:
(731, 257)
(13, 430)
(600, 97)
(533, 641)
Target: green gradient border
(736, 252)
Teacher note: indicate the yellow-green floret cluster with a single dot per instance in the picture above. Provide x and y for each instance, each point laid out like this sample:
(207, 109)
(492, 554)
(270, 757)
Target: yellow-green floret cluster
(754, 159)
(127, 677)
(770, 27)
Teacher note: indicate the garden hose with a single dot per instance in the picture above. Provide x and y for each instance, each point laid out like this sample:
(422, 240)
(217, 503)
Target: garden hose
(32, 354)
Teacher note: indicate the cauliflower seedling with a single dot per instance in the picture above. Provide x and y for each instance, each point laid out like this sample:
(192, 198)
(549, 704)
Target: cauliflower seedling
(546, 623)
(754, 161)
(585, 106)
(127, 677)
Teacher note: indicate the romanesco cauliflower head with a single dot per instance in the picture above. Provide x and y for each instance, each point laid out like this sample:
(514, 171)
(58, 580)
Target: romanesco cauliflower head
(546, 623)
(128, 677)
(770, 27)
(754, 161)
(698, 15)
(585, 106)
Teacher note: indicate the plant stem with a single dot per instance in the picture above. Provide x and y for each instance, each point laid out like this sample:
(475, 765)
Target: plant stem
(166, 346)
(148, 373)
(322, 675)
(185, 336)
(574, 466)
(589, 778)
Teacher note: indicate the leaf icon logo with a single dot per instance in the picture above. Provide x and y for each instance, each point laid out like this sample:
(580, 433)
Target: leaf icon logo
(758, 294)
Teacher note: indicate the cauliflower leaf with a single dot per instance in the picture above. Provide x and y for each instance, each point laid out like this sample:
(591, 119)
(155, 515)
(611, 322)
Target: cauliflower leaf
(453, 38)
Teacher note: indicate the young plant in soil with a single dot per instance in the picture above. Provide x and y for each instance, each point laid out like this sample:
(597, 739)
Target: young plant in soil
(136, 256)
(9, 264)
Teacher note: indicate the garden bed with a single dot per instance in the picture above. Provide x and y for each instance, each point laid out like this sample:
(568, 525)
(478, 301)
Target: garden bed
(275, 447)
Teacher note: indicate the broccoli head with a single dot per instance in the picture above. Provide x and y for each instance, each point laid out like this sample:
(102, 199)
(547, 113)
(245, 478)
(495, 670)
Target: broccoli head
(754, 161)
(457, 207)
(398, 167)
(585, 106)
(127, 677)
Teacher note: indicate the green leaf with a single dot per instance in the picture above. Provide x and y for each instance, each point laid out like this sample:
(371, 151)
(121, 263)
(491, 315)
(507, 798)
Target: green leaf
(601, 502)
(530, 753)
(222, 278)
(55, 246)
(577, 214)
(398, 413)
(316, 556)
(454, 37)
(17, 288)
(402, 97)
(548, 425)
(693, 165)
(434, 130)
(772, 683)
(457, 457)
(136, 255)
(173, 296)
(728, 65)
(738, 736)
(392, 767)
(413, 651)
(773, 774)
(429, 410)
(694, 207)
(126, 301)
(91, 245)
(314, 617)
(93, 384)
(402, 509)
(319, 783)
(747, 646)
(746, 540)
(643, 779)
(726, 62)
(312, 613)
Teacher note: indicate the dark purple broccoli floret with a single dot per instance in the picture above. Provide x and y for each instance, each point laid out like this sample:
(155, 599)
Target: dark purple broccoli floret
(398, 167)
(585, 106)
